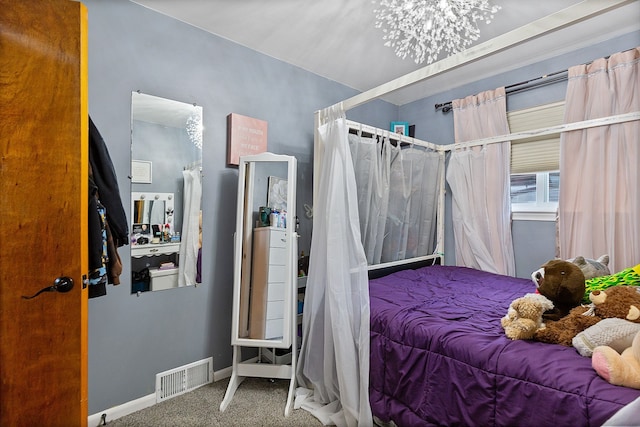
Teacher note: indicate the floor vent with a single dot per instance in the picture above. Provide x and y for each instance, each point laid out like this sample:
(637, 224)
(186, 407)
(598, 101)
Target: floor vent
(181, 380)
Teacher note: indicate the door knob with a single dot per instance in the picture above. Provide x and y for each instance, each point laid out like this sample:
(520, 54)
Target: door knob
(61, 284)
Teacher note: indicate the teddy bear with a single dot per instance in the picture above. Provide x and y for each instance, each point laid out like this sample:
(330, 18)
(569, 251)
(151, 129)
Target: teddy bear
(619, 301)
(524, 316)
(592, 267)
(562, 282)
(619, 369)
(564, 330)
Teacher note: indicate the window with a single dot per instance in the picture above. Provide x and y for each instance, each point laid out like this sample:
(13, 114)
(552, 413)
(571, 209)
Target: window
(535, 179)
(535, 191)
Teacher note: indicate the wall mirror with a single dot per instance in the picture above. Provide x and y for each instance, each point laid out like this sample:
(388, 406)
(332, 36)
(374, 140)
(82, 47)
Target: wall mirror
(166, 193)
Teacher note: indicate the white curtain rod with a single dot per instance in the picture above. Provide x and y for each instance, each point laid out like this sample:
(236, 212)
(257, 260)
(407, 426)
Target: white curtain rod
(567, 127)
(392, 135)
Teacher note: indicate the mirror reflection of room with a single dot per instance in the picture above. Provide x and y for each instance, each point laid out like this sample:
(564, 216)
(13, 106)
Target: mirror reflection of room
(267, 219)
(166, 193)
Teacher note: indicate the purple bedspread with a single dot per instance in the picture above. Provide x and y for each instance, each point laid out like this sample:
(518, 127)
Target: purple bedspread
(439, 356)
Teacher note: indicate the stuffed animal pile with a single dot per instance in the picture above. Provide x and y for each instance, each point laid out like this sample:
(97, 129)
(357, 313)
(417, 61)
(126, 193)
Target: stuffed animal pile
(606, 328)
(622, 302)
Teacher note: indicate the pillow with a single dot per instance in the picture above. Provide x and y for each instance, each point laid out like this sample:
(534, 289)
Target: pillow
(613, 332)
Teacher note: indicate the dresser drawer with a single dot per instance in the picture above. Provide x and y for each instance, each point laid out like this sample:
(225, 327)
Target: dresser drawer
(277, 256)
(275, 291)
(278, 239)
(276, 273)
(275, 310)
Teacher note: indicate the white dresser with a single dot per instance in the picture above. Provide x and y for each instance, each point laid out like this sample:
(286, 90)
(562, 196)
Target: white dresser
(268, 287)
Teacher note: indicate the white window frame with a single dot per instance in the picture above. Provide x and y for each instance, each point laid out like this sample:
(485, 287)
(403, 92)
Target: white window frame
(541, 209)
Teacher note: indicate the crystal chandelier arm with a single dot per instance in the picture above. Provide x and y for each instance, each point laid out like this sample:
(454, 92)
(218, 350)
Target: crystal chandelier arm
(423, 29)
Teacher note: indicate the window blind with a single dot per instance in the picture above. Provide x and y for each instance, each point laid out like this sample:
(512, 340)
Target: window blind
(536, 154)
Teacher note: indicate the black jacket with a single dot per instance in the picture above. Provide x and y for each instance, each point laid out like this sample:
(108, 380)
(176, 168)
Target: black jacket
(105, 179)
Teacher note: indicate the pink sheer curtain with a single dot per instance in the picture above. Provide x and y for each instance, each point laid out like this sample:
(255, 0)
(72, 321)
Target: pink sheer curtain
(479, 178)
(599, 205)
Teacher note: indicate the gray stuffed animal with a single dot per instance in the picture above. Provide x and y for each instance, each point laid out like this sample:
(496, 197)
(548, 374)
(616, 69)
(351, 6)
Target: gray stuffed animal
(592, 267)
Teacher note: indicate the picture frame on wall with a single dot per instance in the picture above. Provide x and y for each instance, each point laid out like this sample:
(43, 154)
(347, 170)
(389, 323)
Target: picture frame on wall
(141, 172)
(245, 136)
(277, 195)
(401, 128)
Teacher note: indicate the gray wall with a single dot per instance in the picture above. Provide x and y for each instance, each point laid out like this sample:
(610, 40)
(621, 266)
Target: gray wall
(132, 48)
(534, 241)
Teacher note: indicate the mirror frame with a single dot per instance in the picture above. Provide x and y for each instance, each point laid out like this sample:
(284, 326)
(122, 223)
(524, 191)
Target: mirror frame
(243, 246)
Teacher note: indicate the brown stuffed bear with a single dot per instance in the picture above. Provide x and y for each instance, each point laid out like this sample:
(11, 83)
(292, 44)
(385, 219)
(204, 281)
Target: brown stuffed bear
(563, 283)
(563, 330)
(619, 301)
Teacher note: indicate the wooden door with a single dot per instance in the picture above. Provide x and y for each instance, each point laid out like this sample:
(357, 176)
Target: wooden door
(43, 212)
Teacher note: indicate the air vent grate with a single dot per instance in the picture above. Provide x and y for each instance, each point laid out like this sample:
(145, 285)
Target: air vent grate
(181, 380)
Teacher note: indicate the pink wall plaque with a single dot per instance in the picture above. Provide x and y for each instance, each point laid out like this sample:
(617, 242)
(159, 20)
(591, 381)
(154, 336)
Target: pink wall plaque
(245, 135)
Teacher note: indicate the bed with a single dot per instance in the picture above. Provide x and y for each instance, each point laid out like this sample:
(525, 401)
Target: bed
(439, 356)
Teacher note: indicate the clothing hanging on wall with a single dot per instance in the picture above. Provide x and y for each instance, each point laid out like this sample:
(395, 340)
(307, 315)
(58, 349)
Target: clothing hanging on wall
(105, 178)
(98, 254)
(108, 228)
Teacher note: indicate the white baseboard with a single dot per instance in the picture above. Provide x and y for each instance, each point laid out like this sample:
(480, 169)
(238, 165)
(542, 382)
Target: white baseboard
(222, 374)
(122, 410)
(132, 406)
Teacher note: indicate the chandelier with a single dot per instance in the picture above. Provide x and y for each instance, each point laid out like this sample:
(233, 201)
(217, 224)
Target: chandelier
(194, 129)
(424, 28)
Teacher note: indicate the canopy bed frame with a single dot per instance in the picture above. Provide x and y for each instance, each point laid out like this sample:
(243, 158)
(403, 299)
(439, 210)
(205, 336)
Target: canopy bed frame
(433, 361)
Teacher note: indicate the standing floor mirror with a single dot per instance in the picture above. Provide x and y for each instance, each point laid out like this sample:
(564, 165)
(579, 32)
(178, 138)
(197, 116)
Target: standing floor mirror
(265, 271)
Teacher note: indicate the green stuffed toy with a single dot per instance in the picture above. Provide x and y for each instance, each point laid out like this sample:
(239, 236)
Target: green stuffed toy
(629, 276)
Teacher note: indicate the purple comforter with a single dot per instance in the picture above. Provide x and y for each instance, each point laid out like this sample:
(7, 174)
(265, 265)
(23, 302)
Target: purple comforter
(439, 356)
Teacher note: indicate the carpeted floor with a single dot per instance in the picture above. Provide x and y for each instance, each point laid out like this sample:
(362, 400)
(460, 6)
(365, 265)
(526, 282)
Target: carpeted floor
(257, 402)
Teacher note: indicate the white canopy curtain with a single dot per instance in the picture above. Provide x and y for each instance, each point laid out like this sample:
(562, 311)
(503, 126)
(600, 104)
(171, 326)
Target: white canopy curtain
(371, 163)
(480, 184)
(192, 196)
(397, 201)
(334, 358)
(599, 204)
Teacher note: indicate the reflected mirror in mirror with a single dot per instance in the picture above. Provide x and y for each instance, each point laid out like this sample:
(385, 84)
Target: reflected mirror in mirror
(166, 193)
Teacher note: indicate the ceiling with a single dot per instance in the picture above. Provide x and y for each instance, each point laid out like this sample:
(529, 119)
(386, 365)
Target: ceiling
(166, 112)
(337, 39)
